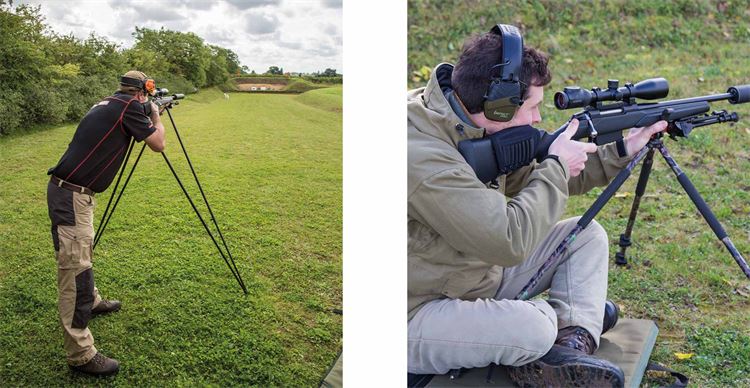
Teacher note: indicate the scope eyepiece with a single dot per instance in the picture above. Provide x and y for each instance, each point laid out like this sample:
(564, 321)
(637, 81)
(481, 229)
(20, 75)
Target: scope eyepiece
(575, 97)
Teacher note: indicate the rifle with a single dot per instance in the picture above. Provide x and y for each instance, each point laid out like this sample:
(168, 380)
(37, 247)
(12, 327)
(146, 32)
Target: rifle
(163, 100)
(602, 124)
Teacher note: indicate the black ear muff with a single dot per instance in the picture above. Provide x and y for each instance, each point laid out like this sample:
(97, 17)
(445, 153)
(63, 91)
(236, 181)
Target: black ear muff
(505, 92)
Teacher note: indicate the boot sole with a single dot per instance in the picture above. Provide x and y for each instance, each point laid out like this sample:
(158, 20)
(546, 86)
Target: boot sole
(568, 375)
(95, 313)
(100, 374)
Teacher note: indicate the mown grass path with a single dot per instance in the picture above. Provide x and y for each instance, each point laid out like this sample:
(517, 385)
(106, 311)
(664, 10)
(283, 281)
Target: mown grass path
(271, 167)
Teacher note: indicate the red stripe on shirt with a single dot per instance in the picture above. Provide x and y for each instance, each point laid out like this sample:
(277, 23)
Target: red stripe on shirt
(100, 142)
(107, 166)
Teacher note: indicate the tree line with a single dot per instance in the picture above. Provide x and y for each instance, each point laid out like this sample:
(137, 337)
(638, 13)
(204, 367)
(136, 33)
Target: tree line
(48, 78)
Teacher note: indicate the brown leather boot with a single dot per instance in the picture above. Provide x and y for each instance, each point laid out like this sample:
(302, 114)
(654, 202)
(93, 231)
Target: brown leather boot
(569, 364)
(576, 337)
(106, 306)
(98, 366)
(566, 367)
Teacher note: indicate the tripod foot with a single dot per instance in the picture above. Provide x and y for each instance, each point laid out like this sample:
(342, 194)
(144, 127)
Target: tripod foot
(620, 259)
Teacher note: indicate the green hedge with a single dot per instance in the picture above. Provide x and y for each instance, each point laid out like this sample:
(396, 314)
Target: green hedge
(47, 78)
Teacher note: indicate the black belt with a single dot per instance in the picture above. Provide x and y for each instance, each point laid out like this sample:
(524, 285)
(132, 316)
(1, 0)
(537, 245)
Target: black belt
(70, 186)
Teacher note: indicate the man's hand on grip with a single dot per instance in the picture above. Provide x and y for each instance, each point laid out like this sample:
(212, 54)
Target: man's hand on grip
(573, 153)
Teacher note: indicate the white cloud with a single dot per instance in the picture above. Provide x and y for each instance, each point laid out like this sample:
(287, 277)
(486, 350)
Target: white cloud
(246, 4)
(297, 35)
(331, 3)
(260, 23)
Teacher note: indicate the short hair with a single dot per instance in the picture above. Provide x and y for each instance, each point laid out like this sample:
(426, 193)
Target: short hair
(474, 69)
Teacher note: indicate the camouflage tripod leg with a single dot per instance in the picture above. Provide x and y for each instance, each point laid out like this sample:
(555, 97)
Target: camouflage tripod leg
(586, 219)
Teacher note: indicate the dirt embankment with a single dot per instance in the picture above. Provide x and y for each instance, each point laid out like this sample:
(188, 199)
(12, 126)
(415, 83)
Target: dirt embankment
(247, 87)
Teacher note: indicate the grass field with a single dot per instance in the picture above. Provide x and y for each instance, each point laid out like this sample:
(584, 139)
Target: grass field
(271, 166)
(680, 274)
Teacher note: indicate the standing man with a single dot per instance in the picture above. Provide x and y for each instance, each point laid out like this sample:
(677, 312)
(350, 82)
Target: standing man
(88, 166)
(473, 246)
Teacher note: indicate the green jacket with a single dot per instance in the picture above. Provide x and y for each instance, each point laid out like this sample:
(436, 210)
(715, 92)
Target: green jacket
(461, 232)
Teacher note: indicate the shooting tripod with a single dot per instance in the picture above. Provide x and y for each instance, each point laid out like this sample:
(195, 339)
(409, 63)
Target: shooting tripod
(228, 259)
(646, 154)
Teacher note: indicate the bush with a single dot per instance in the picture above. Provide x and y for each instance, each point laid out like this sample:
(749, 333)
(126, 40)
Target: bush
(86, 91)
(175, 83)
(325, 80)
(11, 113)
(228, 86)
(44, 105)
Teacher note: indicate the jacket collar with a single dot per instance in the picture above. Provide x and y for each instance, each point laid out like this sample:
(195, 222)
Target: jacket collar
(449, 123)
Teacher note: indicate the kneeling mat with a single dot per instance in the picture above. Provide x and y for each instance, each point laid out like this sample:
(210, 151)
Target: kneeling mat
(627, 345)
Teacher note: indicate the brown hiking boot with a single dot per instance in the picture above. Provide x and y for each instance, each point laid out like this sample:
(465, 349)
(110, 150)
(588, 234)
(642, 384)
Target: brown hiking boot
(566, 367)
(576, 337)
(569, 364)
(98, 366)
(106, 306)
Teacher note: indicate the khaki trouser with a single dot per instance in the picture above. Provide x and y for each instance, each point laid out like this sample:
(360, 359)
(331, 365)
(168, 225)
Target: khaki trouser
(72, 215)
(448, 334)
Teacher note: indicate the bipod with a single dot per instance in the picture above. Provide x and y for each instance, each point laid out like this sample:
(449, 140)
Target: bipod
(646, 152)
(228, 259)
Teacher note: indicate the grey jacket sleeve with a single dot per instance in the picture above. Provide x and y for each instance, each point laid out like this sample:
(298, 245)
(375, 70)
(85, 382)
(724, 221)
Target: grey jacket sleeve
(601, 167)
(482, 222)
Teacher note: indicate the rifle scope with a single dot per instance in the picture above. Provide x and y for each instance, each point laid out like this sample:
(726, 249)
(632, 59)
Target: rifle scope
(164, 92)
(575, 97)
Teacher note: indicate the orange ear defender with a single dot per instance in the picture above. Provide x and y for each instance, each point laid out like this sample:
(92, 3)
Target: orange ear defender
(148, 85)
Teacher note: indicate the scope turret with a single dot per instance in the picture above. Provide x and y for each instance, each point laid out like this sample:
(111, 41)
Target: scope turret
(575, 97)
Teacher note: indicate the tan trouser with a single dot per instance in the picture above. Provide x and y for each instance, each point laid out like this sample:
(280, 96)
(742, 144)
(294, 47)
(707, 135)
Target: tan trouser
(72, 233)
(449, 333)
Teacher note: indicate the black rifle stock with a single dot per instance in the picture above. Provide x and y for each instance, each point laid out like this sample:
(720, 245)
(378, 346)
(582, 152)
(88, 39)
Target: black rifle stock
(602, 124)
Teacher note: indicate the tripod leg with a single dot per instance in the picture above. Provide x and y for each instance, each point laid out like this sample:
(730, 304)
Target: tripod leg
(117, 184)
(640, 188)
(200, 188)
(585, 220)
(130, 174)
(705, 211)
(200, 217)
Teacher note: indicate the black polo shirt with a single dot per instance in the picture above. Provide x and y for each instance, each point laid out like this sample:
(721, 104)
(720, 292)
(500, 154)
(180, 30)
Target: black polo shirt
(101, 140)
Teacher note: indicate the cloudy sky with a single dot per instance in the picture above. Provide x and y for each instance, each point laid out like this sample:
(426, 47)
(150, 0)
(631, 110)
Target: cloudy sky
(297, 35)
